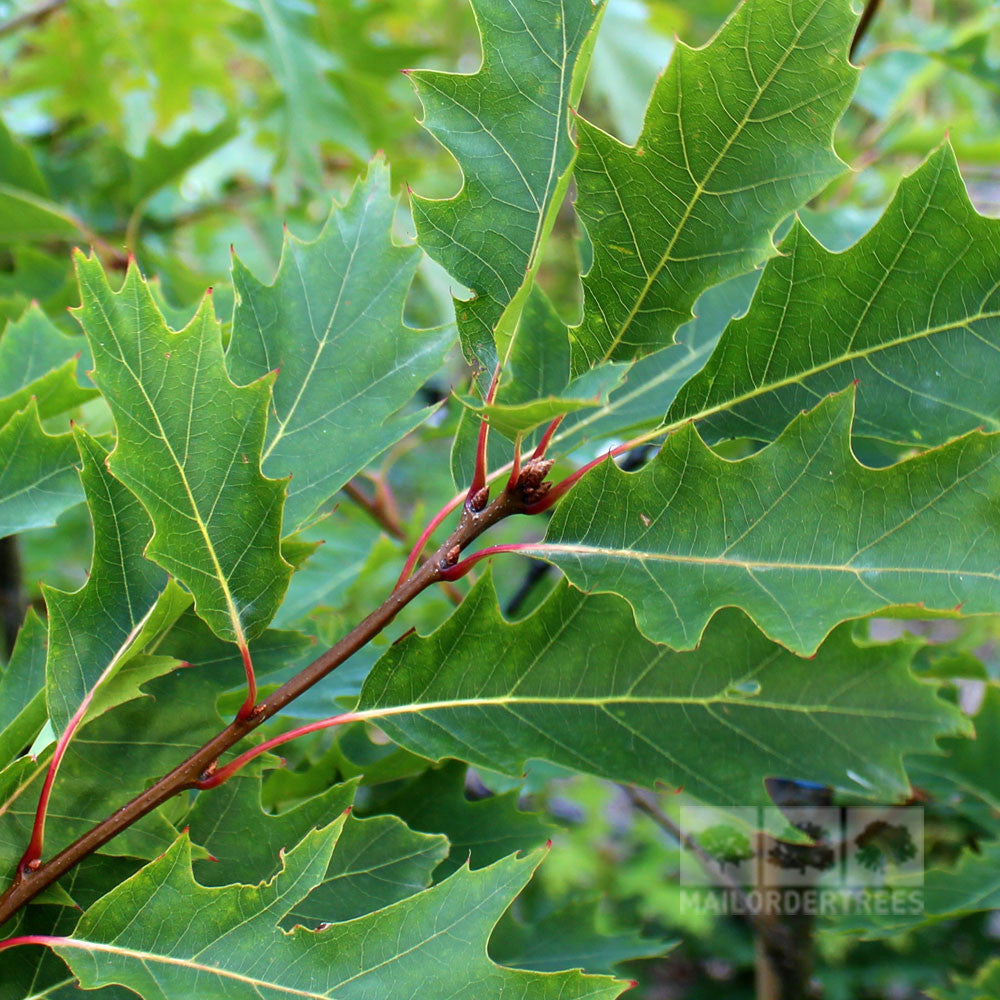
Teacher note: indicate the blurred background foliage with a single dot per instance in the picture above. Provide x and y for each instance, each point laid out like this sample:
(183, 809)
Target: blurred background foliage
(174, 130)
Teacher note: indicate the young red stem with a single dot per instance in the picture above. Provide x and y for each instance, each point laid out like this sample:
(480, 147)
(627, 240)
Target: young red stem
(479, 473)
(42, 939)
(411, 559)
(564, 486)
(384, 512)
(32, 857)
(515, 469)
(543, 445)
(216, 778)
(478, 482)
(246, 709)
(459, 570)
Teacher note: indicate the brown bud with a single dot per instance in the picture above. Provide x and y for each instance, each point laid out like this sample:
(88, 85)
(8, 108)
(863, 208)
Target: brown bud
(533, 495)
(479, 499)
(533, 473)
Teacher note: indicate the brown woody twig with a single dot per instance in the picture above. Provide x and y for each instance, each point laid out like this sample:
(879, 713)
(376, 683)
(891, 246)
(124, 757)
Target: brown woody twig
(202, 763)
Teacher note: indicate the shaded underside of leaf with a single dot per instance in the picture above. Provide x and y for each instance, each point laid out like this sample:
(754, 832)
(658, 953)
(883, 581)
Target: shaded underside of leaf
(799, 535)
(480, 831)
(576, 684)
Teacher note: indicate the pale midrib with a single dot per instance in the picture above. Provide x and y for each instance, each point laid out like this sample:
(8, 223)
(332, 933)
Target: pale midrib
(707, 701)
(113, 663)
(634, 555)
(143, 956)
(234, 617)
(183, 963)
(840, 359)
(40, 767)
(701, 185)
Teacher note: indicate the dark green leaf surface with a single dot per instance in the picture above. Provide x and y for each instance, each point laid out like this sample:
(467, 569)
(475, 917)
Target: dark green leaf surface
(80, 796)
(507, 125)
(189, 446)
(568, 938)
(736, 136)
(577, 685)
(36, 359)
(38, 479)
(92, 631)
(332, 325)
(923, 351)
(479, 831)
(38, 974)
(376, 862)
(223, 944)
(799, 535)
(221, 818)
(22, 690)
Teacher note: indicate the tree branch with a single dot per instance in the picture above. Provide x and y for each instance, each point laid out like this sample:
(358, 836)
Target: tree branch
(187, 775)
(32, 16)
(646, 804)
(13, 602)
(384, 515)
(867, 16)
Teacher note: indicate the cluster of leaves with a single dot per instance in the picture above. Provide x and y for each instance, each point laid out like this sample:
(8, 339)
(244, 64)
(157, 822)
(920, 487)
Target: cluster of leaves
(810, 397)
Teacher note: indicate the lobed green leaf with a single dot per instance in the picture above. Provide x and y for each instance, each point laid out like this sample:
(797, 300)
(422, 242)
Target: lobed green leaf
(737, 135)
(577, 685)
(189, 446)
(799, 535)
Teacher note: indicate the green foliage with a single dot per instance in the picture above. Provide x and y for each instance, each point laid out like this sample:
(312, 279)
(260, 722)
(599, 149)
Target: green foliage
(914, 533)
(224, 942)
(718, 720)
(334, 407)
(732, 142)
(189, 445)
(507, 126)
(793, 362)
(875, 326)
(38, 478)
(92, 632)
